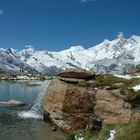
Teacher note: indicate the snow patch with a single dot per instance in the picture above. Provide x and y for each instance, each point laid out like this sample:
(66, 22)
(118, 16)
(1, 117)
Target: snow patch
(128, 77)
(112, 134)
(124, 76)
(136, 88)
(79, 138)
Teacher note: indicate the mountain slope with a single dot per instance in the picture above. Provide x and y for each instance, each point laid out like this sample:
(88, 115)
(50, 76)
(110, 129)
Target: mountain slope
(116, 56)
(10, 61)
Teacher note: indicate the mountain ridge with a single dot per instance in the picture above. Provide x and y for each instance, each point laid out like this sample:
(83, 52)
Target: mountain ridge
(115, 56)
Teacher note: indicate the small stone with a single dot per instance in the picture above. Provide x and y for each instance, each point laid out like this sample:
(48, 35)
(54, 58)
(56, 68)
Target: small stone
(46, 117)
(54, 128)
(13, 103)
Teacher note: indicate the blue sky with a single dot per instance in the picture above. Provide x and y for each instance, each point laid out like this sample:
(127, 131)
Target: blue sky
(58, 24)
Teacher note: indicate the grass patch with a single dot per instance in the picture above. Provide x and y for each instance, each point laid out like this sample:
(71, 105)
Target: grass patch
(129, 131)
(108, 80)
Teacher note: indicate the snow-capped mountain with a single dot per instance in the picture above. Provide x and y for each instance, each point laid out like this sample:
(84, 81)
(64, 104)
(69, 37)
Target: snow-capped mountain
(118, 56)
(10, 61)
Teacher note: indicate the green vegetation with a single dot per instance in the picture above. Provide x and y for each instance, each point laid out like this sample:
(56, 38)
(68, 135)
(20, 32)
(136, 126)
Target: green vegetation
(4, 75)
(112, 82)
(12, 75)
(129, 131)
(108, 80)
(103, 80)
(42, 78)
(8, 75)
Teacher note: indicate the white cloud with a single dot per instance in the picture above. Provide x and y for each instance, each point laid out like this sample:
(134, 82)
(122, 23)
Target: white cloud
(83, 1)
(1, 12)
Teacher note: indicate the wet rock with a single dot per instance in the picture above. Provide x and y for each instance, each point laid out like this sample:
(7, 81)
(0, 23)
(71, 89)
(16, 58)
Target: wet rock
(54, 128)
(46, 117)
(13, 103)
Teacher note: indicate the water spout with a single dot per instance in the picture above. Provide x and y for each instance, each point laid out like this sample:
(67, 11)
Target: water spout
(37, 109)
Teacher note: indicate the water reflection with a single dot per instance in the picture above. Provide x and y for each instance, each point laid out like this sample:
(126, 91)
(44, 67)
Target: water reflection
(18, 91)
(13, 127)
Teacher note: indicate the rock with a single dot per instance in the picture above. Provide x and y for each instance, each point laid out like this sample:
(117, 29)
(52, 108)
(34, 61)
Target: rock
(135, 101)
(95, 125)
(113, 108)
(71, 80)
(13, 103)
(118, 85)
(70, 106)
(54, 128)
(79, 74)
(46, 117)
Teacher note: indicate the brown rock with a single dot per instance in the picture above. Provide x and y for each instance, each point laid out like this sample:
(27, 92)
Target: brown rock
(79, 74)
(114, 108)
(70, 107)
(71, 80)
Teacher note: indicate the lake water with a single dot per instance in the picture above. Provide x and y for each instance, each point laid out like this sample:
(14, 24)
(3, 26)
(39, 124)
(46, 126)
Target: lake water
(13, 127)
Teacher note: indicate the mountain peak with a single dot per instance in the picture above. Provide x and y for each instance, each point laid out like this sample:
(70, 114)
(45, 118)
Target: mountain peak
(135, 38)
(120, 35)
(10, 51)
(28, 51)
(109, 56)
(76, 48)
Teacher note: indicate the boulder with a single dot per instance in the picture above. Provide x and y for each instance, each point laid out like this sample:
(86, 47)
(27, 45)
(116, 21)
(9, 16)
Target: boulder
(70, 107)
(112, 107)
(12, 103)
(79, 74)
(71, 80)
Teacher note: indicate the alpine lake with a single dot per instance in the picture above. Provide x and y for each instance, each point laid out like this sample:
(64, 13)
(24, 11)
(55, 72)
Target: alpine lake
(14, 126)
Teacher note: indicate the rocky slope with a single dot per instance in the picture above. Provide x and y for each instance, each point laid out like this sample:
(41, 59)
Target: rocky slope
(117, 56)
